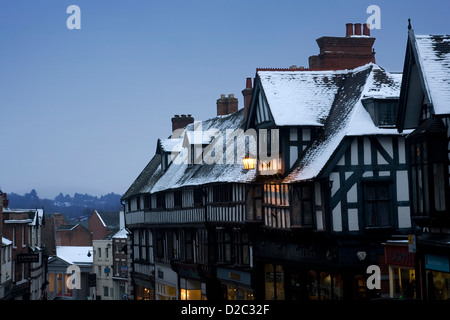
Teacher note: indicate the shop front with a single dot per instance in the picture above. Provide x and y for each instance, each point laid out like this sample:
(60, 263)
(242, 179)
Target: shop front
(235, 284)
(402, 273)
(191, 281)
(437, 269)
(295, 281)
(301, 271)
(165, 282)
(434, 262)
(144, 288)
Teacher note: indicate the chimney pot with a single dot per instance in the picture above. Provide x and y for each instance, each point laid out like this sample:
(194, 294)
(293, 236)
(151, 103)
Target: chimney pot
(349, 29)
(222, 105)
(231, 95)
(366, 29)
(357, 29)
(247, 93)
(248, 84)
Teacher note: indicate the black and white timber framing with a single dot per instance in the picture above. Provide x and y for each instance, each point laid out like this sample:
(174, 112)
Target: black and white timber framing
(325, 203)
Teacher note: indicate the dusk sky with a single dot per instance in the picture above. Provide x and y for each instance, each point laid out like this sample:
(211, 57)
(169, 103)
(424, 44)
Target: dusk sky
(81, 110)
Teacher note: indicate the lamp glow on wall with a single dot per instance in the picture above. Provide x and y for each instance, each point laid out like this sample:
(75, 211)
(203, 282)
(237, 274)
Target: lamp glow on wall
(249, 162)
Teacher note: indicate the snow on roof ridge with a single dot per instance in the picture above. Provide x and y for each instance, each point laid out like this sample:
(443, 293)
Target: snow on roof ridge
(303, 97)
(435, 68)
(100, 217)
(357, 122)
(287, 70)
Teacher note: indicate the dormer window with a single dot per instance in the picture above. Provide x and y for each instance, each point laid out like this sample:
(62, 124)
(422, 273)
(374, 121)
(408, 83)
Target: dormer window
(195, 154)
(383, 111)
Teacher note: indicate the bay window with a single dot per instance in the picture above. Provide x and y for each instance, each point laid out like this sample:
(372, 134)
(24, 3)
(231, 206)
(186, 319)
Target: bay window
(428, 162)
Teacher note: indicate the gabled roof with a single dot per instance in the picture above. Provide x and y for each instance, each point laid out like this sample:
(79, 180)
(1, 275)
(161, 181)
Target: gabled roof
(300, 97)
(347, 117)
(110, 220)
(433, 55)
(181, 174)
(121, 234)
(305, 98)
(168, 145)
(426, 69)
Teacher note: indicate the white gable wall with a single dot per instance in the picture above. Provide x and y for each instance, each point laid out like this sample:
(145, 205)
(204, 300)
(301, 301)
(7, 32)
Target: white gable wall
(386, 162)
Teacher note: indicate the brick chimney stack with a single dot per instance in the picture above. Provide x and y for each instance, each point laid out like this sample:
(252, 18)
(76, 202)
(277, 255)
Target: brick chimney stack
(179, 122)
(247, 93)
(226, 105)
(351, 51)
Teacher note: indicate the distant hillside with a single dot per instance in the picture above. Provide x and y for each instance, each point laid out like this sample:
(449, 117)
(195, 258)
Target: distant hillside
(72, 207)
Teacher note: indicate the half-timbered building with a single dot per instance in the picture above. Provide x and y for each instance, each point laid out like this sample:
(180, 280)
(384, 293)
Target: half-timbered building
(328, 188)
(425, 108)
(337, 188)
(187, 212)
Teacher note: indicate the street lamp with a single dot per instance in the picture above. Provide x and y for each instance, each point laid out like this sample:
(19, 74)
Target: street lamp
(249, 163)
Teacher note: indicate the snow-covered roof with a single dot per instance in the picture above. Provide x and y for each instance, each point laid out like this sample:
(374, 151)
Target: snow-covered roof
(6, 242)
(121, 234)
(180, 173)
(211, 132)
(329, 99)
(27, 221)
(75, 254)
(34, 216)
(171, 145)
(348, 117)
(300, 97)
(434, 59)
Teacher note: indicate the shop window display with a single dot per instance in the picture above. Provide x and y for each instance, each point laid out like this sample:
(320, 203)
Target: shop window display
(190, 294)
(359, 287)
(236, 293)
(143, 293)
(404, 283)
(274, 282)
(438, 285)
(324, 286)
